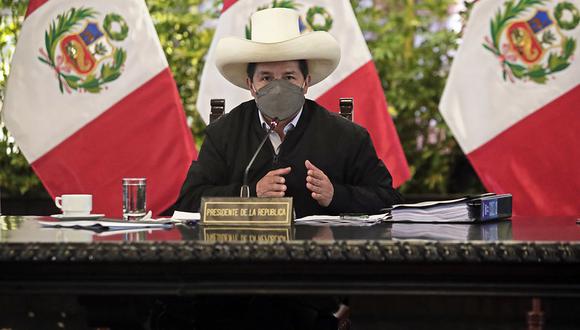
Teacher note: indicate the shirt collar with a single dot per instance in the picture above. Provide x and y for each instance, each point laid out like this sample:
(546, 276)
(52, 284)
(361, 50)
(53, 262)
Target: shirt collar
(288, 126)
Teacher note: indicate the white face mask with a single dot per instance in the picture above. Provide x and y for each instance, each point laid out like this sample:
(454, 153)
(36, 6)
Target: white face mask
(280, 99)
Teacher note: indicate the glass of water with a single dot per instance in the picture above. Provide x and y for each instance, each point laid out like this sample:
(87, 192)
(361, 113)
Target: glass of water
(134, 198)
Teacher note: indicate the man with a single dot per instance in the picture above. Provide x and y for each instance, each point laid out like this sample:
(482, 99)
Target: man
(325, 162)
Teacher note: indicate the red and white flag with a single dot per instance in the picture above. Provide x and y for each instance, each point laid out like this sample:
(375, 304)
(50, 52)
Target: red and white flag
(356, 75)
(512, 101)
(91, 99)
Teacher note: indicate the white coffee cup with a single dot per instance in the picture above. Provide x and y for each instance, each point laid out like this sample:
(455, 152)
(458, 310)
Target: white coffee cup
(75, 204)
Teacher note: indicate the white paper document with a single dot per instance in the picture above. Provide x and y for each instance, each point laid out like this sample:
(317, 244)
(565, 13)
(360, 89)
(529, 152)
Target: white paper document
(192, 216)
(343, 220)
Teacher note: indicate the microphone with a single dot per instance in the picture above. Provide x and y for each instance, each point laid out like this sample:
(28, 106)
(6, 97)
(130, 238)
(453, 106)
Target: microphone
(245, 190)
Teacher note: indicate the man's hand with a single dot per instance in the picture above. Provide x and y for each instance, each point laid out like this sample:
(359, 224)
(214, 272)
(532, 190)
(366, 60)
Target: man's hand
(319, 184)
(272, 184)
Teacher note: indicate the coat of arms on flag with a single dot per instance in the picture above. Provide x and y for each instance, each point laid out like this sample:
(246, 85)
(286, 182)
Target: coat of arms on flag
(81, 52)
(87, 108)
(317, 18)
(518, 132)
(532, 42)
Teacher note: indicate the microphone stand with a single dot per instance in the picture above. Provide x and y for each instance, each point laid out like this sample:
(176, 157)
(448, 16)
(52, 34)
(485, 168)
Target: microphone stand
(245, 190)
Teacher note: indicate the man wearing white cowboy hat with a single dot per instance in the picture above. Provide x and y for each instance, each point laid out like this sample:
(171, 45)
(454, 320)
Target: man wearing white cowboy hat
(325, 162)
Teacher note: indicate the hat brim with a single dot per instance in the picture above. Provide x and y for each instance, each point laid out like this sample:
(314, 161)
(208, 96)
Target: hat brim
(319, 49)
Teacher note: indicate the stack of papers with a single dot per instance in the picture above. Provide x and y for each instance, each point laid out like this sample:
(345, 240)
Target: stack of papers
(484, 207)
(455, 210)
(342, 220)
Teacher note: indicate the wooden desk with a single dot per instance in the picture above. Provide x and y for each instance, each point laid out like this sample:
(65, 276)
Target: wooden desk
(525, 257)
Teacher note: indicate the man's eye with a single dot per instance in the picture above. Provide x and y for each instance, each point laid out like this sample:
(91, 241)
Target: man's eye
(266, 78)
(289, 77)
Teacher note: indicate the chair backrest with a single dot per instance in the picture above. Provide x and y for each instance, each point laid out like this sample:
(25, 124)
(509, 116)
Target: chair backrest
(346, 106)
(218, 107)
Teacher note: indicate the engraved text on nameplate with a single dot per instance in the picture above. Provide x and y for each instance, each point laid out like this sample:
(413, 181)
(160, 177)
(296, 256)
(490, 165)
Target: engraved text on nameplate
(246, 211)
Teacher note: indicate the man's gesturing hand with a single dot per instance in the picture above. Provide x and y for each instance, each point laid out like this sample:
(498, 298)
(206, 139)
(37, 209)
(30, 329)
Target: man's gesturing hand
(319, 184)
(272, 184)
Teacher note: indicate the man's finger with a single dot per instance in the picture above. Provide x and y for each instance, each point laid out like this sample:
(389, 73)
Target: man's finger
(274, 194)
(280, 171)
(275, 187)
(317, 174)
(314, 188)
(314, 171)
(275, 180)
(319, 184)
(316, 196)
(314, 181)
(310, 166)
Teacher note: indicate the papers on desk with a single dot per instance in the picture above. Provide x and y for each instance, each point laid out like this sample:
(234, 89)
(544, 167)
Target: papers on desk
(186, 216)
(118, 226)
(444, 212)
(469, 209)
(472, 209)
(107, 224)
(342, 220)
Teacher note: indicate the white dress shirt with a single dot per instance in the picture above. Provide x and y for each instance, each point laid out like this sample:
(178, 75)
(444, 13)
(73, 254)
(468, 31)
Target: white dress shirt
(274, 137)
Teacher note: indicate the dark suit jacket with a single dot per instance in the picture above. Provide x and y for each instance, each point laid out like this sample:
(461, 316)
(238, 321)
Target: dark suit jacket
(340, 148)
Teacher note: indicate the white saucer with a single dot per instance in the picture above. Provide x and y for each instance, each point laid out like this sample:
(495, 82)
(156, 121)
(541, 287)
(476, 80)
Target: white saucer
(78, 217)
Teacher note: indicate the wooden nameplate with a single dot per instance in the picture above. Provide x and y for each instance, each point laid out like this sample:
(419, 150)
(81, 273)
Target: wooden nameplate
(252, 211)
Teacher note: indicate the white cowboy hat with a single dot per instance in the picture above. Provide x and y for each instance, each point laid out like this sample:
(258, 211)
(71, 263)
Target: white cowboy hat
(276, 37)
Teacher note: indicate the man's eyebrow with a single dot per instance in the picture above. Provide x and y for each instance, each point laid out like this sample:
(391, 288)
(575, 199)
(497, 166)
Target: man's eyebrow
(263, 72)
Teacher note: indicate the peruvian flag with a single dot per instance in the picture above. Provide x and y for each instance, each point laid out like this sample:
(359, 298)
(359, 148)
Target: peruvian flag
(355, 76)
(91, 99)
(512, 101)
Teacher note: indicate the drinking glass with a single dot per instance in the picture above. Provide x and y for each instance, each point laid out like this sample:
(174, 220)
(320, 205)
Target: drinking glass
(134, 198)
